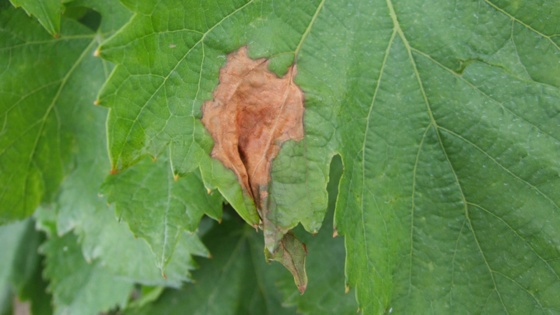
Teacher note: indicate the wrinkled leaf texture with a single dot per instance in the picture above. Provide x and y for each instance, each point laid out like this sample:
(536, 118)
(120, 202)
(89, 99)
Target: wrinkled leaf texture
(445, 115)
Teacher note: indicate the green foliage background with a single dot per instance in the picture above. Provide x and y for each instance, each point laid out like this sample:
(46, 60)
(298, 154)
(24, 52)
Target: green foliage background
(442, 117)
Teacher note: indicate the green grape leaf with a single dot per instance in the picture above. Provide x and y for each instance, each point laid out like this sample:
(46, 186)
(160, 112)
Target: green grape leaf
(158, 206)
(155, 101)
(80, 208)
(78, 205)
(236, 280)
(76, 149)
(450, 193)
(80, 287)
(98, 243)
(48, 12)
(36, 141)
(46, 86)
(445, 116)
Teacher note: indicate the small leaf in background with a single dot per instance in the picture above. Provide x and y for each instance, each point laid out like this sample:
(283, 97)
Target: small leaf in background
(158, 206)
(80, 287)
(236, 280)
(21, 268)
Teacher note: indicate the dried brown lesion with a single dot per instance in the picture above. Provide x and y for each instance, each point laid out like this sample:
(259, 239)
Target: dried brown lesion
(252, 114)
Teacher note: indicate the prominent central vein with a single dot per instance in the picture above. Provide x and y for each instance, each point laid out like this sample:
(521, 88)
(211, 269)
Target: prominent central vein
(308, 29)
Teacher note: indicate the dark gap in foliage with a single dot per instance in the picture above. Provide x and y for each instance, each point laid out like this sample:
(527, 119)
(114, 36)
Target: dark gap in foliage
(88, 17)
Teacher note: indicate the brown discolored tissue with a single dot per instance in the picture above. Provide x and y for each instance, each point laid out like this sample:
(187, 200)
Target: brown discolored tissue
(252, 114)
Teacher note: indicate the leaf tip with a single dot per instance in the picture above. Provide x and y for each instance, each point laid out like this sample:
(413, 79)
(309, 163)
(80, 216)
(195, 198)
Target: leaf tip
(175, 177)
(335, 233)
(96, 102)
(302, 288)
(346, 289)
(208, 190)
(97, 52)
(114, 171)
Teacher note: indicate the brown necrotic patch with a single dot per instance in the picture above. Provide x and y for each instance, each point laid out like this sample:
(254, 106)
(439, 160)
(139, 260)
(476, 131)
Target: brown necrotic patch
(252, 114)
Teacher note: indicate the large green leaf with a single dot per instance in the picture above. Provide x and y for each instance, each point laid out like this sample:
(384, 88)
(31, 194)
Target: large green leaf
(36, 130)
(78, 205)
(451, 169)
(445, 115)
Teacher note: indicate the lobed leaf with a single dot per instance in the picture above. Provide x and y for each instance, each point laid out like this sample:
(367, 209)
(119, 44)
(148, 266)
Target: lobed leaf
(159, 207)
(444, 115)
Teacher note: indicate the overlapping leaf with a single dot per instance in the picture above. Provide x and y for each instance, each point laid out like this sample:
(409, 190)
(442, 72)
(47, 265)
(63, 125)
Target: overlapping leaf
(48, 12)
(36, 133)
(79, 138)
(235, 281)
(160, 208)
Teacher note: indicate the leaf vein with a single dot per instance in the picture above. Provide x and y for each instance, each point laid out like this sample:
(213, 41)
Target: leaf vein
(500, 165)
